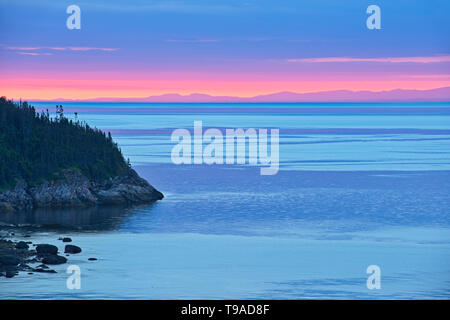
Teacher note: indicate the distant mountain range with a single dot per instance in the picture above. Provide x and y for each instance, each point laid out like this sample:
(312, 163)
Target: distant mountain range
(397, 95)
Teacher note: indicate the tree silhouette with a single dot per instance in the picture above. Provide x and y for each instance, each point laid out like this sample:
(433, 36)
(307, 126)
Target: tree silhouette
(35, 147)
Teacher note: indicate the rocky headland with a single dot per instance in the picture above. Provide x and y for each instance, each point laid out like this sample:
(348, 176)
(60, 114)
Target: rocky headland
(73, 189)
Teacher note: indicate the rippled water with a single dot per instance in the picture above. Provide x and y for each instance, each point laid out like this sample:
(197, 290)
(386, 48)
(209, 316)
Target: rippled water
(359, 184)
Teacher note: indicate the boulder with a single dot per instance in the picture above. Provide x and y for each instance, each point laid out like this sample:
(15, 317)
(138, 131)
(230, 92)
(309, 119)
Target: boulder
(72, 249)
(22, 245)
(46, 249)
(10, 273)
(9, 260)
(54, 259)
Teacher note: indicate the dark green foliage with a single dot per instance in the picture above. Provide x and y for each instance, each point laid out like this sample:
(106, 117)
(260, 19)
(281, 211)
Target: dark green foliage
(35, 147)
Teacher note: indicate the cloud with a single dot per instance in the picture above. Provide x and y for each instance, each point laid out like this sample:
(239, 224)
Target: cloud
(21, 49)
(430, 76)
(430, 59)
(35, 53)
(24, 48)
(88, 49)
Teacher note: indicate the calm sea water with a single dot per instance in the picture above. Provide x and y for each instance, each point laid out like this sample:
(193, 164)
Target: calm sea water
(359, 185)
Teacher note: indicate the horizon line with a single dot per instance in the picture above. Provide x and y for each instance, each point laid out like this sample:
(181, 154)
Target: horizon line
(347, 95)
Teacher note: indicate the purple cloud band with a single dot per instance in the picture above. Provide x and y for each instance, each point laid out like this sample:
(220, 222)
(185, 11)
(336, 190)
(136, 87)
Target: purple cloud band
(430, 59)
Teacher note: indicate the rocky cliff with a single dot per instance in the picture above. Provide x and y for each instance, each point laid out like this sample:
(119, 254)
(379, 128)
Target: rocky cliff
(71, 188)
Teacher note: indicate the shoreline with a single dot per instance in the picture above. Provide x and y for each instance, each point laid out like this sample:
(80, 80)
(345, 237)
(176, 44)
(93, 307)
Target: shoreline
(19, 256)
(155, 276)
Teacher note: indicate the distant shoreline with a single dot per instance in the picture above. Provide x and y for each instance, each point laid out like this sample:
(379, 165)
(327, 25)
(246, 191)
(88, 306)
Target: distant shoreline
(396, 95)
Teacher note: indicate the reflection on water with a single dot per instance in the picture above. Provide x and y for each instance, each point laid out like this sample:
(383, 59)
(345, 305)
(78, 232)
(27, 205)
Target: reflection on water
(90, 218)
(222, 200)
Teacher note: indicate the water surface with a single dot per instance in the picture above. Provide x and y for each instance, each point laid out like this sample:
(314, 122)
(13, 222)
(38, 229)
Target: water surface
(359, 185)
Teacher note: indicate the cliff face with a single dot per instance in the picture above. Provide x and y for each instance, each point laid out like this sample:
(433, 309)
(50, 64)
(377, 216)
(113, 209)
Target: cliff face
(73, 189)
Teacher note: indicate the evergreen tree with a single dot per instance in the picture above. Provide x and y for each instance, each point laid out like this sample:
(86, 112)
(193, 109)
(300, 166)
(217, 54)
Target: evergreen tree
(35, 147)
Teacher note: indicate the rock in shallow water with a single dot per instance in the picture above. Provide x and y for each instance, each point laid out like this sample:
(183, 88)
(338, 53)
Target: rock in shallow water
(10, 274)
(54, 259)
(22, 245)
(9, 260)
(43, 271)
(72, 249)
(43, 249)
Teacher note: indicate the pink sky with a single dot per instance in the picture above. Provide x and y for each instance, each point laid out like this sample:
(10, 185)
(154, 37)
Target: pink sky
(76, 72)
(68, 88)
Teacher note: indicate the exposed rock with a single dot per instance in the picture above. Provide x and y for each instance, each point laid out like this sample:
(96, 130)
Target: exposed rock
(13, 260)
(54, 259)
(72, 189)
(66, 240)
(92, 259)
(10, 273)
(16, 199)
(129, 188)
(9, 260)
(22, 245)
(24, 267)
(72, 249)
(43, 271)
(45, 249)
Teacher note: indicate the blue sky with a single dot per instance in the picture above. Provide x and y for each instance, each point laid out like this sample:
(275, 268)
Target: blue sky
(202, 39)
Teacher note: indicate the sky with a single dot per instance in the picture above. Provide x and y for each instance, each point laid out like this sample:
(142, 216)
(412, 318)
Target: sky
(243, 48)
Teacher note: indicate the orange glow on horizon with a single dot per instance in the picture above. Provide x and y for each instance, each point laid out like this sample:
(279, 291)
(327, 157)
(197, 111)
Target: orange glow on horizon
(52, 89)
